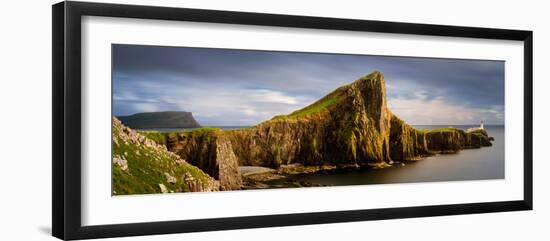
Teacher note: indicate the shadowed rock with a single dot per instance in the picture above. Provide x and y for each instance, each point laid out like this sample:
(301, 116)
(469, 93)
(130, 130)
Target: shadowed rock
(453, 140)
(406, 143)
(211, 151)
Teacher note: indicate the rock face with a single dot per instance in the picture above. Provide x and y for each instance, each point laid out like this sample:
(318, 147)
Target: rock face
(141, 166)
(453, 140)
(406, 143)
(167, 119)
(211, 151)
(481, 137)
(350, 125)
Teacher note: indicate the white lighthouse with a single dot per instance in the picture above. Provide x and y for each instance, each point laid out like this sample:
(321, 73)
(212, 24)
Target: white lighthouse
(482, 124)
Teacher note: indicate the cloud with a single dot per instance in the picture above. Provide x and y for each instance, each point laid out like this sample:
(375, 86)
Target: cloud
(270, 96)
(436, 111)
(238, 107)
(212, 104)
(238, 87)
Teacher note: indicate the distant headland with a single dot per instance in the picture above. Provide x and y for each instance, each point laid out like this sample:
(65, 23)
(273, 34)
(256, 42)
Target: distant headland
(164, 119)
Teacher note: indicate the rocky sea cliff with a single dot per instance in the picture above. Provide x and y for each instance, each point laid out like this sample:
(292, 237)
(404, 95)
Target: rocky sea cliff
(350, 127)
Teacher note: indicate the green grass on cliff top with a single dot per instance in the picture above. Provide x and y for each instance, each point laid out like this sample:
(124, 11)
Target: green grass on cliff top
(445, 129)
(321, 105)
(202, 130)
(156, 136)
(324, 103)
(161, 137)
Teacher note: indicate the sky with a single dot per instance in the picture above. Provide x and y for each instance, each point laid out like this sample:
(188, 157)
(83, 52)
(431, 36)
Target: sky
(224, 87)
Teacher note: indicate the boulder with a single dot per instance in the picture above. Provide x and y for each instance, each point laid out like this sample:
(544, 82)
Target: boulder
(170, 179)
(163, 188)
(121, 162)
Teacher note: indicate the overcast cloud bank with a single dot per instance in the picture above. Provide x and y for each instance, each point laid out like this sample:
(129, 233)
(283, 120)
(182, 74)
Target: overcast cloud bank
(238, 87)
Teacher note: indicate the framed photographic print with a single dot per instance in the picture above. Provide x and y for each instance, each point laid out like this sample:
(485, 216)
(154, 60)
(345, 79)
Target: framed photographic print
(170, 120)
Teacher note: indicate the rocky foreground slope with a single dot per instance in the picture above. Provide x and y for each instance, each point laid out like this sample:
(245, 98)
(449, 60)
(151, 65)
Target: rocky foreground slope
(142, 166)
(206, 148)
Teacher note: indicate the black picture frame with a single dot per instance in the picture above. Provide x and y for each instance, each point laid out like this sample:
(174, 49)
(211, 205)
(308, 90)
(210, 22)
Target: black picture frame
(66, 75)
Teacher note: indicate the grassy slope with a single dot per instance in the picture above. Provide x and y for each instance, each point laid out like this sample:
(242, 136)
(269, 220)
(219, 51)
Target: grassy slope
(147, 167)
(446, 129)
(156, 136)
(323, 104)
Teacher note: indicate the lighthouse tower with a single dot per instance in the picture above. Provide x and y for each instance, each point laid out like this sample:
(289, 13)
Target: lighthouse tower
(481, 127)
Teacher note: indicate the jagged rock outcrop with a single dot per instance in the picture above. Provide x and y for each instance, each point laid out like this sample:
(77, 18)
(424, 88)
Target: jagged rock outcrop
(164, 119)
(452, 140)
(349, 125)
(445, 140)
(142, 166)
(480, 136)
(281, 142)
(406, 143)
(211, 151)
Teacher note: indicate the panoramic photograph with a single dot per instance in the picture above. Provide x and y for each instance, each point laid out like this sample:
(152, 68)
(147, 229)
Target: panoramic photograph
(187, 119)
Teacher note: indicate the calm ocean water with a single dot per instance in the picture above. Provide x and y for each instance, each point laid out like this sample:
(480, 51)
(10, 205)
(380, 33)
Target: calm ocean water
(470, 164)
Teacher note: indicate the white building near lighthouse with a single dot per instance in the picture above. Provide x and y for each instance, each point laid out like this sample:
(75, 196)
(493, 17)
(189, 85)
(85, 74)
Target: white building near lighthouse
(481, 127)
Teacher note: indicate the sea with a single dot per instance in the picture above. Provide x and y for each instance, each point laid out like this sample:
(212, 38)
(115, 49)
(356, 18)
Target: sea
(469, 164)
